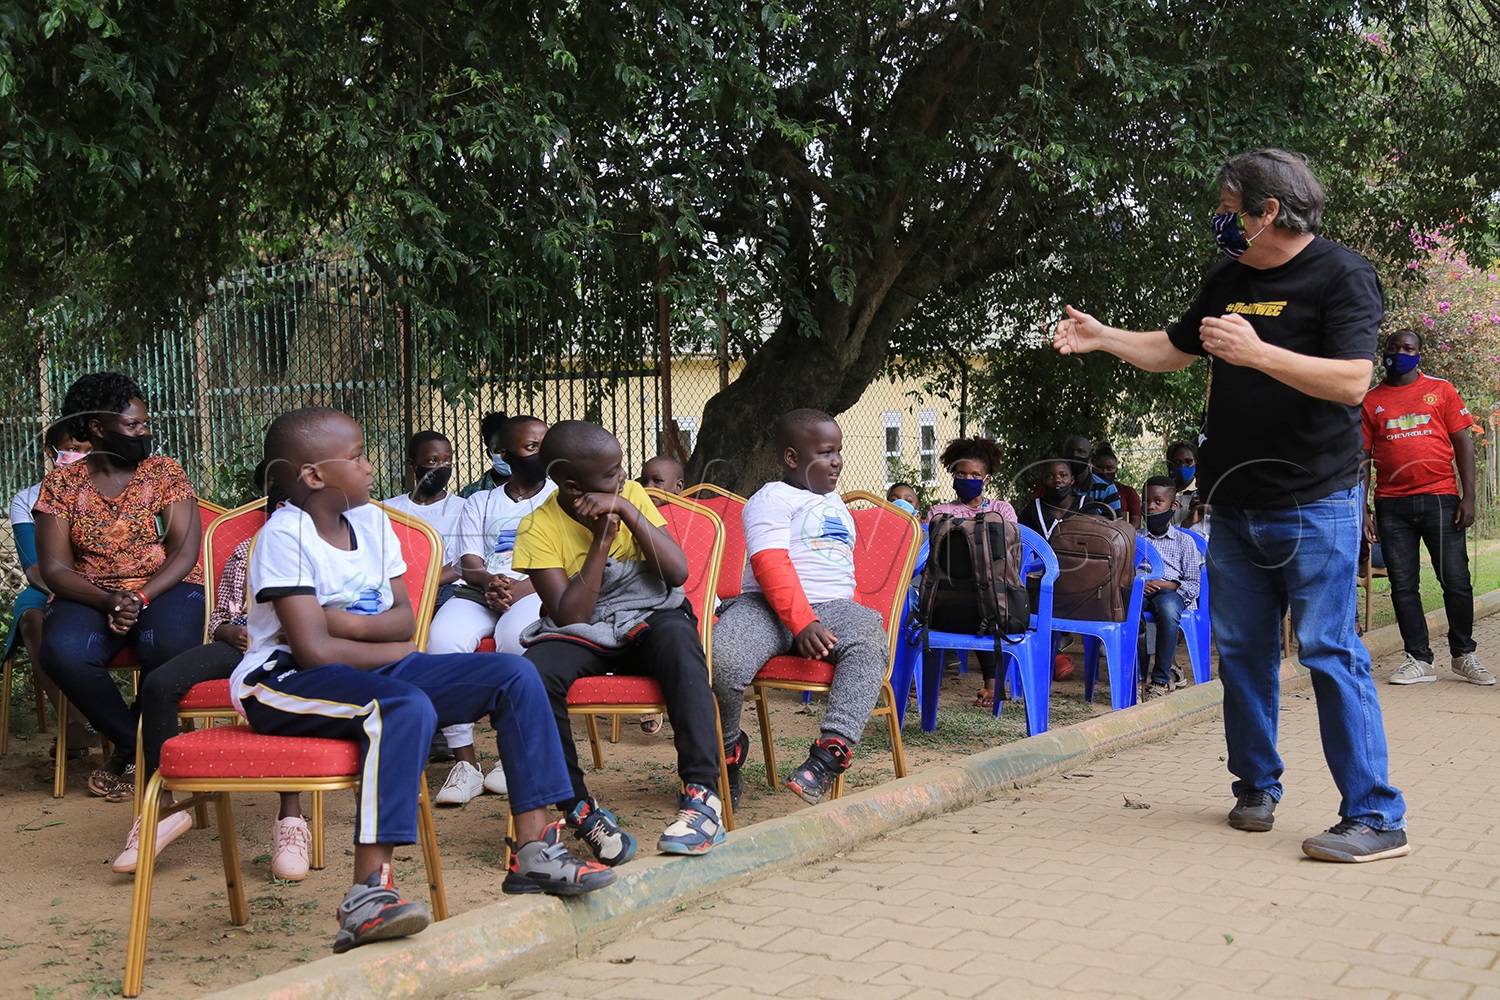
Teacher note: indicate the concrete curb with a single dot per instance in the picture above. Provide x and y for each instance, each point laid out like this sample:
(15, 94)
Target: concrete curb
(516, 936)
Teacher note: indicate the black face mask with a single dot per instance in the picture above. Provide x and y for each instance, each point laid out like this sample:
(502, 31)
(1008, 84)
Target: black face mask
(127, 449)
(1079, 469)
(1158, 523)
(1057, 496)
(528, 468)
(434, 480)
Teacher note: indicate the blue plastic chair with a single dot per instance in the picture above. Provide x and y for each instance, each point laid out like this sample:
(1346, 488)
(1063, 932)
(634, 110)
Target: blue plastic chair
(1028, 656)
(1118, 639)
(1197, 629)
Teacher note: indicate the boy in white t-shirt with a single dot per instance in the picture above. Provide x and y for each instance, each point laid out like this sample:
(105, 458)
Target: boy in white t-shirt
(331, 656)
(494, 600)
(798, 598)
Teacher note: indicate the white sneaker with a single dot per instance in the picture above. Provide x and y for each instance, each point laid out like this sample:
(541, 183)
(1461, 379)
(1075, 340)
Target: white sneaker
(495, 780)
(1470, 669)
(290, 839)
(1414, 671)
(464, 784)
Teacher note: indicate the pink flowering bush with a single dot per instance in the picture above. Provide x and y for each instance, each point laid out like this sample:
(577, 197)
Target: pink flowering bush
(1455, 304)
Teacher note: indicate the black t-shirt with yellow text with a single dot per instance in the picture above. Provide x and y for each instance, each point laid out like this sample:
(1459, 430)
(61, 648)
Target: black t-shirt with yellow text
(1267, 445)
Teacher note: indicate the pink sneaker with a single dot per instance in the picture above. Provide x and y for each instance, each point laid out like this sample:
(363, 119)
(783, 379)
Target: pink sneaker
(167, 831)
(289, 841)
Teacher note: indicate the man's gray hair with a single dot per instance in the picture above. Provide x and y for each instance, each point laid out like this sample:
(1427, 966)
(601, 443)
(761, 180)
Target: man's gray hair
(1275, 173)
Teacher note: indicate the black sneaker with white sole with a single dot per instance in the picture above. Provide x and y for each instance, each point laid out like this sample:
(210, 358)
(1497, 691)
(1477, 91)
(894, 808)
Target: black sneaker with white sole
(1353, 842)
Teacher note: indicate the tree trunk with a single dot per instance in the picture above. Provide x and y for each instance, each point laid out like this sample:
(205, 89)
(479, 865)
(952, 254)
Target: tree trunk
(828, 372)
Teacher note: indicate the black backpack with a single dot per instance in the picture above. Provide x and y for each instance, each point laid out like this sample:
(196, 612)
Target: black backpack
(972, 582)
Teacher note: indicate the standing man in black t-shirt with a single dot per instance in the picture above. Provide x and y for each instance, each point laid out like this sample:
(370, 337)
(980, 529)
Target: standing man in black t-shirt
(1289, 324)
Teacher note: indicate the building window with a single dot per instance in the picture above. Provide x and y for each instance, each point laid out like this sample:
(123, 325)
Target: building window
(892, 446)
(927, 445)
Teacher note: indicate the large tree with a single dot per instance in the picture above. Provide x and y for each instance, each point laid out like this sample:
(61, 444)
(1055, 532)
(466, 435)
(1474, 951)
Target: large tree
(862, 180)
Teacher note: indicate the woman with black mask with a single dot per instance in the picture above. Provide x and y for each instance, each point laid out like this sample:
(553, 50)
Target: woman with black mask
(118, 537)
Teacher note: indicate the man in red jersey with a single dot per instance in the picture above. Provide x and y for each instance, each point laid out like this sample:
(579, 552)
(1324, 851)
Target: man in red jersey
(1415, 426)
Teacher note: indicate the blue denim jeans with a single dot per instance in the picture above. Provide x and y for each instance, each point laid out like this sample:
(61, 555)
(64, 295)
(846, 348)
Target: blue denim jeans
(77, 643)
(1259, 562)
(1166, 607)
(1402, 523)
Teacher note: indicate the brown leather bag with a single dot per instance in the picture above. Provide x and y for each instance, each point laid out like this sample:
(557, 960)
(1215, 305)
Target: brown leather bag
(1096, 567)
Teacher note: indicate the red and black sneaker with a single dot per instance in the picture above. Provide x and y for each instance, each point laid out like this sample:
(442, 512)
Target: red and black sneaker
(826, 760)
(375, 911)
(734, 759)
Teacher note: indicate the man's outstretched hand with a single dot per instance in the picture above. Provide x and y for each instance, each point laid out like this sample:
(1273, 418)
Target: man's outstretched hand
(1079, 333)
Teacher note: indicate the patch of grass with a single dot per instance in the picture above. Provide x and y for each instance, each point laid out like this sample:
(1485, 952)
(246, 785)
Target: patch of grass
(1484, 571)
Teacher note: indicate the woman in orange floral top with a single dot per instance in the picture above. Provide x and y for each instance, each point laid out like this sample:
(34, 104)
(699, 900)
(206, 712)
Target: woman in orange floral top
(117, 542)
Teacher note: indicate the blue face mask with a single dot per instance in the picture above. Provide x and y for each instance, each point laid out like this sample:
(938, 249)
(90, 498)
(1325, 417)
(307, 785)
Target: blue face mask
(1183, 473)
(502, 467)
(906, 506)
(1400, 364)
(1229, 232)
(967, 489)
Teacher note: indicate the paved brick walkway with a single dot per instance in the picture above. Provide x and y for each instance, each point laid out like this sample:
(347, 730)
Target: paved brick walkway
(1062, 888)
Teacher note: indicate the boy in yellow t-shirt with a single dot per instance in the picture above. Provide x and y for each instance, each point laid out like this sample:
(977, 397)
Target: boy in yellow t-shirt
(610, 578)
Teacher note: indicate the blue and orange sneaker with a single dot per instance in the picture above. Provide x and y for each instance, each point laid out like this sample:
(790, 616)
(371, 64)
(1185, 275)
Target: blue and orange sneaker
(375, 911)
(697, 827)
(547, 866)
(598, 828)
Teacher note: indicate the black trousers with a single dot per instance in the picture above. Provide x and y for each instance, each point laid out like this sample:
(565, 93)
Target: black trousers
(1402, 523)
(669, 651)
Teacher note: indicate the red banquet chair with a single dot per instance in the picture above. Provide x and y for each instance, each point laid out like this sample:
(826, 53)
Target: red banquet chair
(209, 700)
(887, 540)
(208, 512)
(701, 534)
(731, 510)
(211, 764)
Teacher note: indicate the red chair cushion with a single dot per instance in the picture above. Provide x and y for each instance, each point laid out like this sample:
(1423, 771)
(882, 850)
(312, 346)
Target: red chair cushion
(237, 752)
(125, 659)
(486, 645)
(209, 694)
(796, 668)
(615, 690)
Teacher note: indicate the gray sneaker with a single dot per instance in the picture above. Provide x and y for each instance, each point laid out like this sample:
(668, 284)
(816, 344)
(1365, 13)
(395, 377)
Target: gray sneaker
(375, 911)
(1414, 671)
(547, 866)
(1253, 812)
(1470, 669)
(1349, 841)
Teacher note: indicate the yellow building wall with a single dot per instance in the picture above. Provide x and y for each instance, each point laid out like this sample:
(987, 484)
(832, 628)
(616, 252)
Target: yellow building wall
(900, 406)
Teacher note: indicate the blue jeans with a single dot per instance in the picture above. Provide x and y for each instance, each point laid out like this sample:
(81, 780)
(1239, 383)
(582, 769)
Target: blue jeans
(77, 643)
(1259, 562)
(392, 712)
(1166, 607)
(1402, 522)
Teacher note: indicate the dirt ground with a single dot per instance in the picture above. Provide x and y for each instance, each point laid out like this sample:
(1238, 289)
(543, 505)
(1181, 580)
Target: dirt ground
(65, 936)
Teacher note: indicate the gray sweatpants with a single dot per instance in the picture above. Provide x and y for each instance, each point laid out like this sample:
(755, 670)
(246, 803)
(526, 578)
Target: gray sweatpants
(748, 633)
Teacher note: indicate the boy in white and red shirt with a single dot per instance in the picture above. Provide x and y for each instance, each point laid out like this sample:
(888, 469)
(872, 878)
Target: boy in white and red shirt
(1415, 427)
(798, 598)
